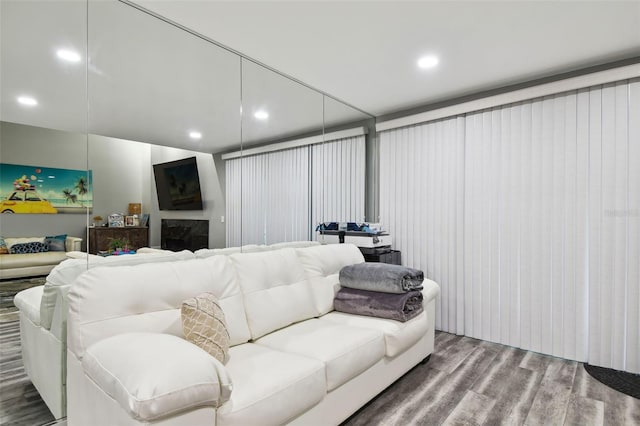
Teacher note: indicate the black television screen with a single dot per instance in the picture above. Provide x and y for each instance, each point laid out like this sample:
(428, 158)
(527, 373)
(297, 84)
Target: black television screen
(178, 185)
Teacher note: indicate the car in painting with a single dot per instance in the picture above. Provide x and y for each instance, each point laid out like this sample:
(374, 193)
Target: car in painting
(26, 202)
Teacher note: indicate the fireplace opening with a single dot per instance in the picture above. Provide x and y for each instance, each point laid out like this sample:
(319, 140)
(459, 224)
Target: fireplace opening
(184, 234)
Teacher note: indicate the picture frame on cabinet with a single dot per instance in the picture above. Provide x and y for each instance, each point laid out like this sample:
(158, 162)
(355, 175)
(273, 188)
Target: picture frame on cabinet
(116, 220)
(144, 219)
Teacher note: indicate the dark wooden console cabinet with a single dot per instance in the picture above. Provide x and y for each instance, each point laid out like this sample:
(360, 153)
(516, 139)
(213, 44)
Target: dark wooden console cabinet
(99, 237)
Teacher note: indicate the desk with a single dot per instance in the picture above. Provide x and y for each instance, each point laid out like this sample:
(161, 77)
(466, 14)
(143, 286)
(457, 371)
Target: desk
(391, 256)
(99, 237)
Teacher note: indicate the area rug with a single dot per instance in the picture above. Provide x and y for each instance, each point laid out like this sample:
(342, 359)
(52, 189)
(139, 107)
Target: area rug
(8, 289)
(621, 381)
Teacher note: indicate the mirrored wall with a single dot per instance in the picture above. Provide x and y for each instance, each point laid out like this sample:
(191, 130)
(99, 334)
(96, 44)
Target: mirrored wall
(105, 91)
(43, 119)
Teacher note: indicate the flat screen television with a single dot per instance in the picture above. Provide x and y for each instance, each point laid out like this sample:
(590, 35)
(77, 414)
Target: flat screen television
(178, 185)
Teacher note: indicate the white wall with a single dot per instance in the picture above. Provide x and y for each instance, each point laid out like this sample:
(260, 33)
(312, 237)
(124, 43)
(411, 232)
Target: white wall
(121, 175)
(212, 196)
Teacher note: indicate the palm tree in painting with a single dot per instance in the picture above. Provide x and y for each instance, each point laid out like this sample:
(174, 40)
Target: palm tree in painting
(69, 196)
(82, 186)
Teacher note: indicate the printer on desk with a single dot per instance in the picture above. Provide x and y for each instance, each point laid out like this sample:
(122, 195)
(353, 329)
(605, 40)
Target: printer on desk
(373, 241)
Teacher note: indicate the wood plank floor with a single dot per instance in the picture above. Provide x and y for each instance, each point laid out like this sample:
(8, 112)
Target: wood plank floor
(466, 382)
(472, 382)
(8, 289)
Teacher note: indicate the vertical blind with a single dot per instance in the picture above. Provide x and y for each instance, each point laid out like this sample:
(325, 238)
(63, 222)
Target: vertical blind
(268, 197)
(527, 215)
(614, 226)
(281, 196)
(233, 197)
(525, 226)
(421, 204)
(338, 181)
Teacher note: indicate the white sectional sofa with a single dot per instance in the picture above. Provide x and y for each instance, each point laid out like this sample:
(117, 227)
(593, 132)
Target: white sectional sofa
(43, 320)
(43, 310)
(292, 358)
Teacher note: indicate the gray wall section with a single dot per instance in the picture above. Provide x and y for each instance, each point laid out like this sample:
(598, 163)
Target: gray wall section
(122, 174)
(372, 170)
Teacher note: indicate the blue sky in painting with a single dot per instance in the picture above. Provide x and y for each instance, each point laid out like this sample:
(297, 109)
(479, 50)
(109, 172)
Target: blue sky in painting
(49, 182)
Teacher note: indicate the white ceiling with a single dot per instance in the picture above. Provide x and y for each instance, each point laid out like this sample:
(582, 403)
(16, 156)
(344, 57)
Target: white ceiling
(146, 80)
(152, 82)
(365, 52)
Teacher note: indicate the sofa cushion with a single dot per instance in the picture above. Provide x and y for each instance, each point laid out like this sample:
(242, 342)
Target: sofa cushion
(28, 260)
(249, 248)
(398, 336)
(69, 270)
(22, 240)
(270, 387)
(28, 248)
(322, 265)
(3, 246)
(56, 243)
(293, 244)
(28, 301)
(149, 386)
(275, 289)
(346, 351)
(148, 297)
(203, 325)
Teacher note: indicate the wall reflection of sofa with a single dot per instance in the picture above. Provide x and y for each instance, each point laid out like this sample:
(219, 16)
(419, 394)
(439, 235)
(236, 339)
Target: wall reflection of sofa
(32, 256)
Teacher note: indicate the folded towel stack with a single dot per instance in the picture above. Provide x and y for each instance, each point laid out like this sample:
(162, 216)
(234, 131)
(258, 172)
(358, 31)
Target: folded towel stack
(380, 290)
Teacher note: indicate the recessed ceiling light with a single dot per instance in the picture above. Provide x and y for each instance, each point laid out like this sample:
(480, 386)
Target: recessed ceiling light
(261, 115)
(195, 135)
(27, 100)
(68, 55)
(428, 61)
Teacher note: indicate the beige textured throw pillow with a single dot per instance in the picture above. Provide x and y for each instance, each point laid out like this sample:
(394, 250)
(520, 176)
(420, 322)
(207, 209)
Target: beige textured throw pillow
(204, 325)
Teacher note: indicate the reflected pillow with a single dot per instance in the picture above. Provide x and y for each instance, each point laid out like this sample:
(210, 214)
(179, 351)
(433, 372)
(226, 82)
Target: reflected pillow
(25, 248)
(3, 246)
(56, 243)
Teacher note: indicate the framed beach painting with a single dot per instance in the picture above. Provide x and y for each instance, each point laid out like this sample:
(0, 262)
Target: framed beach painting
(47, 190)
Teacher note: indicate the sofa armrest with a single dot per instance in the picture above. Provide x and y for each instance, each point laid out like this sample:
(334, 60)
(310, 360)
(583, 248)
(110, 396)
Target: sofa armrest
(58, 316)
(430, 290)
(73, 244)
(152, 375)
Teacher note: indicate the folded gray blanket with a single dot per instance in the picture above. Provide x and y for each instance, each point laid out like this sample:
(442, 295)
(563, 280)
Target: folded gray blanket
(399, 307)
(381, 277)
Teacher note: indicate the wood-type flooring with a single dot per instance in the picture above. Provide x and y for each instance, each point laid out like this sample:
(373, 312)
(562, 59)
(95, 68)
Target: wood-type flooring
(466, 382)
(473, 382)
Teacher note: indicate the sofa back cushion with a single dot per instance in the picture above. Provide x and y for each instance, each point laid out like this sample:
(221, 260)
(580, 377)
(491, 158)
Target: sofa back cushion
(293, 244)
(249, 248)
(104, 302)
(10, 242)
(322, 266)
(276, 291)
(56, 242)
(68, 271)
